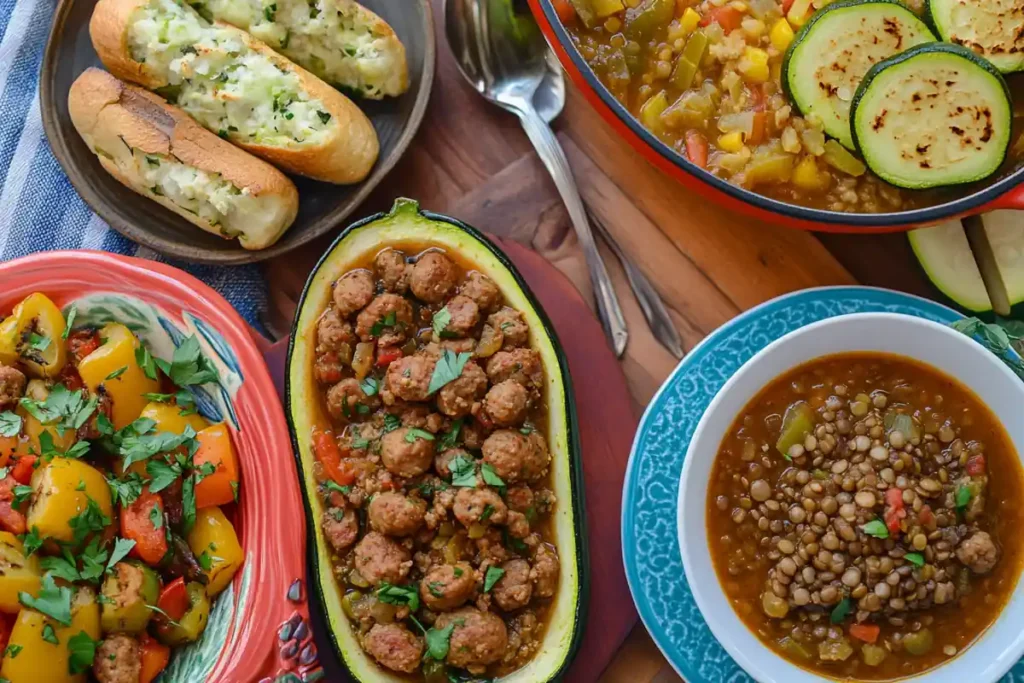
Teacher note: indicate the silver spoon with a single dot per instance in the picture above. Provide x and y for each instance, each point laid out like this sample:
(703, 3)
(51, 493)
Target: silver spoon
(503, 56)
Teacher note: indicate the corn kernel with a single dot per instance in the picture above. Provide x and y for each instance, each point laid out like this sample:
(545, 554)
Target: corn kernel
(731, 142)
(754, 65)
(781, 35)
(612, 24)
(807, 176)
(689, 20)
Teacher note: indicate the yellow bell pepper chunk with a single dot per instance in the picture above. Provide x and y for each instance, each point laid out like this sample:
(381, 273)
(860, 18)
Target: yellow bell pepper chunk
(40, 661)
(127, 389)
(17, 573)
(650, 112)
(754, 65)
(214, 535)
(731, 142)
(807, 176)
(799, 12)
(32, 428)
(781, 35)
(168, 418)
(43, 355)
(606, 8)
(689, 20)
(56, 498)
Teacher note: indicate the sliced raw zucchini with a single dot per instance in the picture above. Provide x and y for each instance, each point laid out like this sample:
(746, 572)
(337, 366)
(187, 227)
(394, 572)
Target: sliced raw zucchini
(830, 55)
(993, 28)
(935, 115)
(1005, 232)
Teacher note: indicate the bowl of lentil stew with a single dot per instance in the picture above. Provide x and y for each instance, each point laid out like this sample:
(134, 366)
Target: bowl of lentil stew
(626, 67)
(923, 583)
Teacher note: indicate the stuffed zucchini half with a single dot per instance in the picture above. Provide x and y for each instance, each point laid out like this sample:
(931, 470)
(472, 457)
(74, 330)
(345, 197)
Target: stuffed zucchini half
(831, 53)
(448, 520)
(935, 115)
(994, 29)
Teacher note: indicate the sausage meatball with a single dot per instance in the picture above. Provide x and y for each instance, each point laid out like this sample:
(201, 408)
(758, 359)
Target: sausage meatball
(12, 386)
(346, 401)
(456, 398)
(332, 331)
(518, 525)
(395, 514)
(483, 506)
(418, 415)
(544, 573)
(482, 290)
(409, 378)
(433, 277)
(514, 589)
(464, 316)
(478, 639)
(506, 403)
(518, 365)
(473, 434)
(444, 459)
(516, 456)
(512, 326)
(388, 319)
(448, 586)
(406, 453)
(394, 647)
(353, 291)
(519, 498)
(379, 559)
(392, 270)
(118, 660)
(341, 527)
(978, 552)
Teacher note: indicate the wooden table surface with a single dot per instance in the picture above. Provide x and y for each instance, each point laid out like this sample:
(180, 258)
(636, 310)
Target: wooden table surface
(473, 161)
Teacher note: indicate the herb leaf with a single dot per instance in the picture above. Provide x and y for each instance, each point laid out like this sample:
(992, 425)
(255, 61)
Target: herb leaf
(840, 611)
(70, 320)
(451, 437)
(440, 321)
(10, 424)
(876, 528)
(963, 497)
(438, 641)
(491, 578)
(163, 474)
(448, 369)
(399, 595)
(916, 559)
(189, 366)
(54, 602)
(122, 547)
(370, 386)
(417, 433)
(81, 652)
(491, 477)
(463, 471)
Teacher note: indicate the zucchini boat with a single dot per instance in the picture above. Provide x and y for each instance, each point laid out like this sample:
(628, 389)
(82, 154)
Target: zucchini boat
(433, 238)
(935, 115)
(994, 29)
(831, 53)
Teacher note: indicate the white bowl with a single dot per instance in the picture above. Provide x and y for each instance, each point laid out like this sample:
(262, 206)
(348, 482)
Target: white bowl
(950, 352)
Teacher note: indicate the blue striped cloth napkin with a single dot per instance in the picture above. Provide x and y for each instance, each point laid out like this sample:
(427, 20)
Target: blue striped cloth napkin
(39, 209)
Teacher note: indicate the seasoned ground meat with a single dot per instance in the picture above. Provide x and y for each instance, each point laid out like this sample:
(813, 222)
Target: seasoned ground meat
(394, 647)
(379, 559)
(445, 457)
(474, 434)
(514, 589)
(118, 660)
(544, 573)
(519, 498)
(328, 368)
(394, 514)
(409, 378)
(388, 319)
(332, 331)
(417, 415)
(478, 639)
(353, 291)
(512, 326)
(433, 277)
(518, 525)
(458, 396)
(464, 316)
(482, 290)
(406, 453)
(479, 505)
(506, 403)
(978, 552)
(392, 270)
(346, 401)
(516, 456)
(12, 386)
(448, 586)
(519, 365)
(341, 527)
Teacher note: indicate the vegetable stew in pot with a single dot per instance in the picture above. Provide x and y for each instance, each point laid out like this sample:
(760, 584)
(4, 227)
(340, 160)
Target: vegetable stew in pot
(864, 517)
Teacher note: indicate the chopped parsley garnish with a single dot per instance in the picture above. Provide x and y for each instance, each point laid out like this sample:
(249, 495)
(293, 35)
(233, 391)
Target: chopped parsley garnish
(53, 601)
(94, 561)
(61, 567)
(162, 474)
(136, 446)
(463, 471)
(122, 547)
(269, 11)
(448, 369)
(343, 490)
(88, 520)
(840, 611)
(438, 641)
(189, 366)
(916, 559)
(38, 342)
(156, 516)
(387, 321)
(491, 477)
(158, 398)
(450, 438)
(440, 321)
(62, 408)
(10, 424)
(391, 423)
(70, 320)
(486, 514)
(144, 359)
(127, 489)
(49, 635)
(491, 577)
(876, 528)
(81, 652)
(435, 589)
(370, 386)
(32, 541)
(963, 497)
(188, 503)
(21, 494)
(12, 651)
(399, 595)
(417, 433)
(117, 373)
(324, 116)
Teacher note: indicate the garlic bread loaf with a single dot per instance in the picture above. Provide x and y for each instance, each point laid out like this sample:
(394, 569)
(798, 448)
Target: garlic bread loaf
(237, 87)
(161, 153)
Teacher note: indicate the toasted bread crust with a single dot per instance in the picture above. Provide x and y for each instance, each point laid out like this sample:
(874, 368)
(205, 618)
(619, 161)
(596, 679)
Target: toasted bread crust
(344, 157)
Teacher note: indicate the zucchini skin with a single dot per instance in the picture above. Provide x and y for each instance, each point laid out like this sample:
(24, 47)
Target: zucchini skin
(927, 48)
(576, 479)
(931, 17)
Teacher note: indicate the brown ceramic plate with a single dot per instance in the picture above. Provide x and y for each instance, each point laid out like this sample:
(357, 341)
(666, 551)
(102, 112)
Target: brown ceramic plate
(321, 206)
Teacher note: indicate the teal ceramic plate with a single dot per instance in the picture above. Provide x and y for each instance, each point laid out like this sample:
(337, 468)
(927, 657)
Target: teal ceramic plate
(650, 544)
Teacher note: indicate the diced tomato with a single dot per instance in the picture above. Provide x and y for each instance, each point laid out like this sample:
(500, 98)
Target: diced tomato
(5, 631)
(866, 632)
(173, 599)
(328, 368)
(70, 378)
(155, 656)
(728, 18)
(976, 465)
(23, 468)
(786, 4)
(697, 148)
(11, 519)
(385, 355)
(894, 510)
(566, 13)
(329, 456)
(83, 342)
(137, 525)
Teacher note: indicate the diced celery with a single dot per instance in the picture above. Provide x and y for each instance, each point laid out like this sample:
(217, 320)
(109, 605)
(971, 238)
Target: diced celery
(837, 650)
(873, 654)
(689, 59)
(797, 423)
(642, 21)
(839, 158)
(650, 113)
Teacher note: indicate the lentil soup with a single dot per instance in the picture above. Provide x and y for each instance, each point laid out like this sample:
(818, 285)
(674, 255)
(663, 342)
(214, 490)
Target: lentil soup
(864, 515)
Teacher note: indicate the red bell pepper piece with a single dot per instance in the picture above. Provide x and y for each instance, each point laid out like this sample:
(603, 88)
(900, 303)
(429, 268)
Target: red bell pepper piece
(976, 465)
(173, 600)
(697, 148)
(866, 632)
(23, 468)
(137, 525)
(728, 18)
(329, 456)
(386, 355)
(155, 656)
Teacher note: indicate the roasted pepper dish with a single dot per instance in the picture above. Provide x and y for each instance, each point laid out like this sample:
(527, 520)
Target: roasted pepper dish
(113, 540)
(433, 466)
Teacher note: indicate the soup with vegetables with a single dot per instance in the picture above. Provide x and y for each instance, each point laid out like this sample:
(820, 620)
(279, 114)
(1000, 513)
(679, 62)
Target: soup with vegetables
(864, 517)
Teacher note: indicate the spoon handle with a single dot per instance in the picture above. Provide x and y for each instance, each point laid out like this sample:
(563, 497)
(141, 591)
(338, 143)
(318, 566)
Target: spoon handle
(551, 153)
